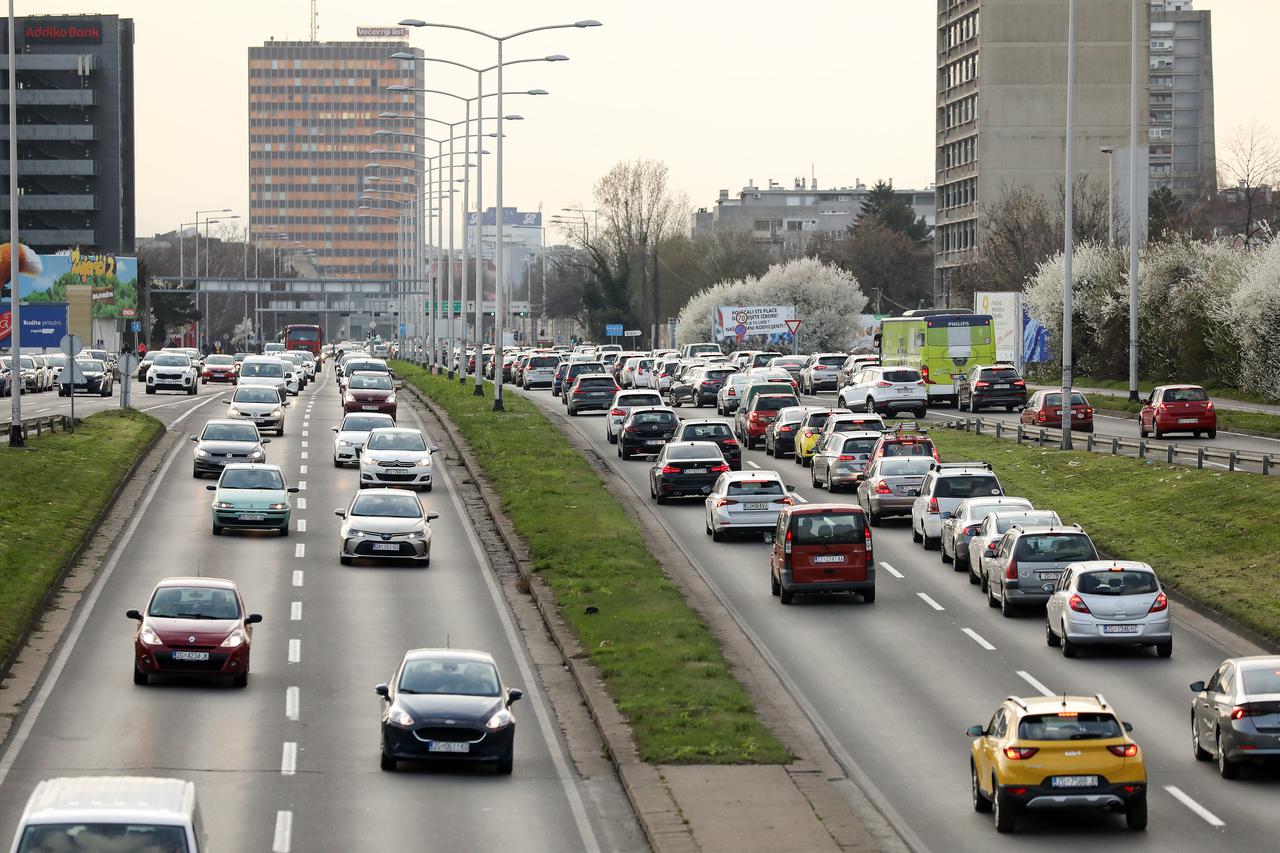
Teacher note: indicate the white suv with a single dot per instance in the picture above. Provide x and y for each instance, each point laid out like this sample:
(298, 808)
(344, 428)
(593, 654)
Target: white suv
(172, 371)
(886, 390)
(944, 487)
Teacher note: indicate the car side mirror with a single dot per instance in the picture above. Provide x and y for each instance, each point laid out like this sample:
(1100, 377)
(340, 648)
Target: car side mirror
(340, 513)
(335, 429)
(1197, 687)
(789, 487)
(211, 488)
(293, 490)
(1128, 726)
(253, 619)
(946, 515)
(975, 731)
(195, 438)
(515, 694)
(432, 516)
(435, 449)
(264, 441)
(133, 614)
(382, 690)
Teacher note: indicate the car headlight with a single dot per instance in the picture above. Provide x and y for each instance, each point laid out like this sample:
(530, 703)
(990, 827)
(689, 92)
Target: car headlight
(391, 398)
(148, 636)
(201, 453)
(418, 534)
(223, 505)
(499, 720)
(278, 506)
(257, 454)
(344, 443)
(399, 716)
(234, 639)
(358, 533)
(277, 413)
(233, 411)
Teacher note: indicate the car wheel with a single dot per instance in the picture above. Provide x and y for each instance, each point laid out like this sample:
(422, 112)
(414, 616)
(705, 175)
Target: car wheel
(992, 600)
(336, 463)
(1069, 649)
(344, 559)
(1159, 435)
(874, 518)
(150, 389)
(217, 530)
(1002, 810)
(871, 405)
(106, 392)
(1135, 813)
(774, 587)
(612, 439)
(786, 596)
(973, 575)
(241, 680)
(1142, 431)
(1213, 433)
(427, 487)
(1007, 610)
(140, 678)
(1050, 638)
(973, 405)
(195, 472)
(717, 535)
(386, 762)
(869, 596)
(813, 479)
(423, 562)
(915, 537)
(931, 543)
(503, 767)
(980, 801)
(662, 499)
(1200, 753)
(191, 392)
(623, 452)
(284, 529)
(942, 552)
(1165, 649)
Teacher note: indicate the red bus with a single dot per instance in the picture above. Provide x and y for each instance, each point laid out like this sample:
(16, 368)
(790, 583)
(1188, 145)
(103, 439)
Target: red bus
(303, 336)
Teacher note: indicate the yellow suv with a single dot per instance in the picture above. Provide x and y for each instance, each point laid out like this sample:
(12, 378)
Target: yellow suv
(1056, 752)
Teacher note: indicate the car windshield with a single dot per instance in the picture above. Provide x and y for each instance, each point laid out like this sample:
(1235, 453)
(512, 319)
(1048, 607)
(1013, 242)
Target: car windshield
(717, 375)
(79, 835)
(1056, 399)
(261, 479)
(364, 423)
(381, 382)
(1261, 679)
(449, 677)
(901, 376)
(907, 448)
(967, 486)
(639, 400)
(827, 528)
(1185, 395)
(773, 404)
(250, 394)
(1122, 582)
(597, 382)
(1004, 522)
(302, 334)
(194, 602)
(271, 370)
(749, 488)
(396, 441)
(705, 432)
(763, 358)
(1054, 548)
(220, 359)
(665, 418)
(906, 466)
(229, 432)
(696, 452)
(544, 361)
(1068, 726)
(369, 366)
(389, 506)
(831, 360)
(859, 446)
(172, 361)
(58, 360)
(91, 365)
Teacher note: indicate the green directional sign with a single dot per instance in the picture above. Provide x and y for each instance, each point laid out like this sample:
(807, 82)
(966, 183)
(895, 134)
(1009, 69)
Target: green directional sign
(442, 307)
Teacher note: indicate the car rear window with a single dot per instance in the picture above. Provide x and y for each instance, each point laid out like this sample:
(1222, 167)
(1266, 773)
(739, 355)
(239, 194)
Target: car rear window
(1056, 399)
(907, 448)
(827, 528)
(593, 382)
(754, 487)
(581, 367)
(817, 419)
(1055, 548)
(1068, 726)
(764, 358)
(1000, 374)
(1185, 395)
(718, 374)
(639, 400)
(705, 432)
(544, 361)
(859, 445)
(1004, 522)
(906, 466)
(653, 418)
(773, 404)
(967, 486)
(1124, 582)
(693, 453)
(832, 360)
(1261, 680)
(901, 376)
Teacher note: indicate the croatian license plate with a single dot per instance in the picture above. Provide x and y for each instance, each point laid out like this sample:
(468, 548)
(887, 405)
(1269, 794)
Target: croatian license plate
(1188, 420)
(1074, 782)
(190, 655)
(252, 516)
(653, 441)
(1048, 576)
(695, 470)
(829, 558)
(447, 746)
(386, 546)
(756, 507)
(370, 408)
(1000, 387)
(1119, 629)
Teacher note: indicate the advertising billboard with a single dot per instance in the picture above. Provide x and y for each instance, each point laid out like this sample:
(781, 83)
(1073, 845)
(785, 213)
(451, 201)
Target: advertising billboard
(511, 218)
(113, 278)
(1020, 338)
(766, 324)
(62, 30)
(42, 325)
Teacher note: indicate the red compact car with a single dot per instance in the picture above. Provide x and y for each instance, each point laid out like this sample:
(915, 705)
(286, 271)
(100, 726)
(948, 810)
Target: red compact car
(193, 627)
(220, 368)
(370, 392)
(1178, 408)
(1044, 409)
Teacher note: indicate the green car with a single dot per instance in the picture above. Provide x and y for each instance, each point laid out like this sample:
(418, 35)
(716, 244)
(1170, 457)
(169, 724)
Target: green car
(251, 496)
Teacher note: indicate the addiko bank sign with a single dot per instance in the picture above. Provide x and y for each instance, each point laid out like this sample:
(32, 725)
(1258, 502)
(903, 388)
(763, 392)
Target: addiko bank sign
(62, 31)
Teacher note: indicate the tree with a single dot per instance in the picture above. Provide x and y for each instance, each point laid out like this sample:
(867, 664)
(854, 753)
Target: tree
(1252, 167)
(1164, 215)
(885, 206)
(243, 335)
(892, 268)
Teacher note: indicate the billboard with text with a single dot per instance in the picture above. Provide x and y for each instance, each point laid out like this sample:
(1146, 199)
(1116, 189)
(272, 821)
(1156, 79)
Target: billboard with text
(766, 323)
(114, 279)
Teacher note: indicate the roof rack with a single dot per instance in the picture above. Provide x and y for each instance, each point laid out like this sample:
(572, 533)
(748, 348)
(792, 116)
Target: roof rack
(1101, 701)
(906, 427)
(1015, 700)
(938, 466)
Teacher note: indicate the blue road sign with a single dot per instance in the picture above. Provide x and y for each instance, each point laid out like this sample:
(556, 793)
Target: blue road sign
(559, 339)
(402, 328)
(613, 330)
(136, 326)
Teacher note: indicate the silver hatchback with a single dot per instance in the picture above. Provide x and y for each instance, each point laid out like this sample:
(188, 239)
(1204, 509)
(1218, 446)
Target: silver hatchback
(1028, 561)
(1236, 716)
(891, 486)
(1108, 602)
(840, 459)
(746, 500)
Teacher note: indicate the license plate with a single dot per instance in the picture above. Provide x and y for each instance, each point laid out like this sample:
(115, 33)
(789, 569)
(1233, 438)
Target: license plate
(1000, 387)
(386, 546)
(190, 655)
(1048, 576)
(1074, 782)
(1119, 629)
(756, 507)
(829, 558)
(695, 470)
(1188, 420)
(251, 516)
(370, 408)
(653, 441)
(447, 746)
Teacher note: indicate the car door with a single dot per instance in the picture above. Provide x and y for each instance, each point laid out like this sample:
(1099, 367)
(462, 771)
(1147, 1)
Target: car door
(921, 501)
(821, 460)
(1061, 590)
(985, 759)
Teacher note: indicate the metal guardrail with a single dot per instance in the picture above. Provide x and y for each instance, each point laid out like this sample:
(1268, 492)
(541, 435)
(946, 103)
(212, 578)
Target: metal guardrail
(39, 426)
(1197, 455)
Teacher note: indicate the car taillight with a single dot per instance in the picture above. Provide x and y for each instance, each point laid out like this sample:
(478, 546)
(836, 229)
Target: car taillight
(618, 413)
(577, 391)
(786, 547)
(786, 428)
(720, 469)
(936, 457)
(754, 416)
(1162, 409)
(882, 488)
(845, 457)
(1020, 382)
(726, 502)
(1161, 603)
(670, 469)
(732, 393)
(933, 506)
(924, 374)
(629, 429)
(1208, 406)
(730, 442)
(981, 384)
(971, 530)
(1241, 711)
(786, 501)
(1124, 750)
(1011, 570)
(1040, 416)
(884, 384)
(1020, 753)
(1077, 604)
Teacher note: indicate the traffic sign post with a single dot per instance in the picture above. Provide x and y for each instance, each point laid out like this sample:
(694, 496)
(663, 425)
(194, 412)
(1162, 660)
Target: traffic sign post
(127, 364)
(70, 346)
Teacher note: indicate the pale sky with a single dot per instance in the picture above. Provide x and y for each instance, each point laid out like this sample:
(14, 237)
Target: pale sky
(721, 91)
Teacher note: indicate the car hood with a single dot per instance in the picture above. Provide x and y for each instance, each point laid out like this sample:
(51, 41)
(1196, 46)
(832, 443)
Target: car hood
(384, 524)
(207, 632)
(251, 498)
(461, 709)
(354, 436)
(418, 457)
(256, 408)
(229, 446)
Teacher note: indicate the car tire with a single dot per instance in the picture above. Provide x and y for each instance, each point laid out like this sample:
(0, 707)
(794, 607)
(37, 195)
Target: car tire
(191, 392)
(611, 438)
(151, 389)
(915, 537)
(1159, 435)
(813, 479)
(1213, 433)
(874, 518)
(1165, 649)
(1002, 811)
(241, 680)
(1051, 639)
(217, 530)
(336, 463)
(871, 405)
(140, 678)
(1200, 753)
(195, 473)
(1135, 813)
(775, 588)
(992, 600)
(504, 765)
(942, 553)
(980, 802)
(973, 405)
(1069, 649)
(931, 543)
(284, 529)
(280, 433)
(427, 487)
(717, 535)
(786, 596)
(973, 575)
(1142, 433)
(869, 596)
(1007, 610)
(386, 762)
(344, 559)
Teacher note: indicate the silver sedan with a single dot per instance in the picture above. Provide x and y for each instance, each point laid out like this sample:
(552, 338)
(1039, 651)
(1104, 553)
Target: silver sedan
(746, 500)
(385, 524)
(1112, 602)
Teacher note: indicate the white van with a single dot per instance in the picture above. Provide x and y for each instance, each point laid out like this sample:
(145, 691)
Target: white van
(111, 813)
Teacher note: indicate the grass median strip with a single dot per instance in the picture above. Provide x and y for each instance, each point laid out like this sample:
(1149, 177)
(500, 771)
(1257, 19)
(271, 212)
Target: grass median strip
(1214, 536)
(659, 660)
(49, 496)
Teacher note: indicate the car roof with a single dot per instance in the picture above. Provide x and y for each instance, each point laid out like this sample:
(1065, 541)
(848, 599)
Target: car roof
(961, 470)
(1055, 704)
(231, 421)
(397, 429)
(704, 422)
(582, 376)
(1047, 528)
(449, 654)
(995, 499)
(701, 445)
(255, 465)
(94, 797)
(860, 433)
(765, 474)
(1169, 387)
(1104, 565)
(382, 490)
(640, 409)
(211, 583)
(817, 509)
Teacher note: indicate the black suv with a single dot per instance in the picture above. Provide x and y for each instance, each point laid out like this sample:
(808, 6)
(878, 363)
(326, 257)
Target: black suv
(991, 385)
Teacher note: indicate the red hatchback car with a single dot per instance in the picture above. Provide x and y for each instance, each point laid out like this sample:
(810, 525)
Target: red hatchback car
(1178, 408)
(1044, 409)
(370, 392)
(194, 627)
(819, 548)
(220, 368)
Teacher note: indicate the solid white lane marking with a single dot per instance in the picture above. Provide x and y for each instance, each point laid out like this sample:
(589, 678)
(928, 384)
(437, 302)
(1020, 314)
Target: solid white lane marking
(295, 611)
(891, 570)
(295, 650)
(929, 601)
(752, 464)
(799, 498)
(297, 577)
(302, 503)
(1034, 682)
(1208, 816)
(289, 759)
(977, 638)
(300, 550)
(302, 525)
(302, 485)
(302, 469)
(283, 840)
(292, 696)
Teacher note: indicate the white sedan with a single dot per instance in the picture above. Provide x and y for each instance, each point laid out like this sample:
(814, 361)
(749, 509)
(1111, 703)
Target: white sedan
(746, 500)
(397, 457)
(353, 433)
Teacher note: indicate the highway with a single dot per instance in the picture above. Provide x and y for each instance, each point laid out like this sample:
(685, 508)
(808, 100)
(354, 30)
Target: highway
(893, 685)
(291, 762)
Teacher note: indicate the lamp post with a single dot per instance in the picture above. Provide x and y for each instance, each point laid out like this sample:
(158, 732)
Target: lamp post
(1066, 409)
(582, 213)
(1133, 202)
(412, 201)
(1111, 208)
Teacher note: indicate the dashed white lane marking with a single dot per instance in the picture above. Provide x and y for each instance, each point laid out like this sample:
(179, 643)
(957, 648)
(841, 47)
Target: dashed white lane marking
(752, 464)
(302, 485)
(977, 638)
(283, 840)
(295, 650)
(302, 469)
(304, 454)
(302, 503)
(292, 697)
(302, 525)
(289, 759)
(891, 570)
(295, 611)
(297, 577)
(1208, 816)
(304, 444)
(929, 601)
(300, 550)
(1034, 682)
(305, 433)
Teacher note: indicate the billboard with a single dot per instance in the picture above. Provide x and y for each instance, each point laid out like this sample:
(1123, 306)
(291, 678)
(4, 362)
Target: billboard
(759, 322)
(511, 218)
(62, 30)
(1020, 338)
(113, 278)
(42, 325)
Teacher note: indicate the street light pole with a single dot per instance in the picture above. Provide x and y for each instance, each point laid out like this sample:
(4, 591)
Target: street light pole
(1066, 409)
(15, 254)
(1111, 207)
(1133, 204)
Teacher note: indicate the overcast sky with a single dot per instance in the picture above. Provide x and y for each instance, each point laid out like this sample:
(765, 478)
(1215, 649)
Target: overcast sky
(721, 91)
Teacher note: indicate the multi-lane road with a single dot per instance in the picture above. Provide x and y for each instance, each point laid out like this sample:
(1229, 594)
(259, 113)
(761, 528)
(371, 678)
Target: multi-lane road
(291, 762)
(894, 685)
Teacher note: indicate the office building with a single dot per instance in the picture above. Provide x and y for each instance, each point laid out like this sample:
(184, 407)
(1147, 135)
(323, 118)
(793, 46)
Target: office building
(75, 133)
(1180, 102)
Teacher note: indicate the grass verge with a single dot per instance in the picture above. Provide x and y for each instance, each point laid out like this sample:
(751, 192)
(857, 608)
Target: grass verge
(51, 494)
(659, 660)
(1228, 419)
(1210, 535)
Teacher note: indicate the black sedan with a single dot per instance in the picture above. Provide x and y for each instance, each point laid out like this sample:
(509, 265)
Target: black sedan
(447, 704)
(646, 430)
(90, 376)
(222, 442)
(717, 431)
(686, 469)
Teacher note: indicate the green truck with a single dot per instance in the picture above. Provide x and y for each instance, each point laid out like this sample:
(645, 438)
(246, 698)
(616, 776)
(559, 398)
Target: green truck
(941, 344)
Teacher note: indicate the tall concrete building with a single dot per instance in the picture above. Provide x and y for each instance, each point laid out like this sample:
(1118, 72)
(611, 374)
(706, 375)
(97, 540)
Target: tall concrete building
(1182, 153)
(313, 108)
(1001, 109)
(75, 133)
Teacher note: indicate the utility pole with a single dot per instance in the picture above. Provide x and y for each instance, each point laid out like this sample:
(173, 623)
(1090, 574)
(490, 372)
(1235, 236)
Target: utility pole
(657, 297)
(1068, 242)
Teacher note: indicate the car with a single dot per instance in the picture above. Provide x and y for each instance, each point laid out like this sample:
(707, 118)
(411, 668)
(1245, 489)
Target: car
(144, 363)
(1056, 752)
(6, 378)
(855, 363)
(266, 371)
(297, 367)
(350, 436)
(1234, 717)
(1044, 409)
(759, 386)
(172, 371)
(906, 439)
(635, 372)
(762, 359)
(1023, 570)
(822, 548)
(1108, 602)
(741, 358)
(889, 486)
(684, 469)
(712, 430)
(29, 375)
(447, 704)
(98, 355)
(44, 371)
(370, 392)
(645, 430)
(774, 374)
(746, 501)
(251, 496)
(964, 522)
(780, 436)
(810, 429)
(943, 489)
(259, 404)
(396, 457)
(197, 357)
(995, 525)
(308, 359)
(623, 403)
(193, 627)
(699, 386)
(143, 813)
(697, 350)
(991, 385)
(224, 442)
(219, 368)
(792, 364)
(580, 368)
(1178, 408)
(385, 524)
(591, 392)
(730, 393)
(540, 370)
(272, 347)
(842, 420)
(888, 391)
(840, 460)
(557, 379)
(360, 363)
(56, 361)
(660, 376)
(821, 371)
(90, 375)
(759, 413)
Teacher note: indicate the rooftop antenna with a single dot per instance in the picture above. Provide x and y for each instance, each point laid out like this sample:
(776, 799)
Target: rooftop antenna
(314, 26)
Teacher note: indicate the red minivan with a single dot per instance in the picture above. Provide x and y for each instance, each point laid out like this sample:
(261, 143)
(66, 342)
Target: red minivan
(822, 548)
(1178, 408)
